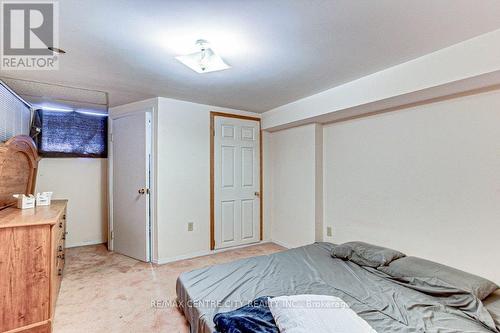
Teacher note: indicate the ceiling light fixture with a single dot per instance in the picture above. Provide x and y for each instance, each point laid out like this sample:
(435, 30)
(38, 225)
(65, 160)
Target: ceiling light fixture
(204, 61)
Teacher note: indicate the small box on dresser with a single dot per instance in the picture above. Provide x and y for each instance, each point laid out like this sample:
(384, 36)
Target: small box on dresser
(31, 266)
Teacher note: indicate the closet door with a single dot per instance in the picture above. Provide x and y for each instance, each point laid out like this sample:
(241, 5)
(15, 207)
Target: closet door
(236, 181)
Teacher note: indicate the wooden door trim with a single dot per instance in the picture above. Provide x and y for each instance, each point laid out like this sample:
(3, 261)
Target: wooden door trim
(214, 114)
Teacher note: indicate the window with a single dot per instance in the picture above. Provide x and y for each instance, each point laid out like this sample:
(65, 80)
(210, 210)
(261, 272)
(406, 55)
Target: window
(71, 134)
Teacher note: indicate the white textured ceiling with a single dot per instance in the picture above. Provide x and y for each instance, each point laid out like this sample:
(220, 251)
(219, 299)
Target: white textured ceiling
(279, 50)
(42, 94)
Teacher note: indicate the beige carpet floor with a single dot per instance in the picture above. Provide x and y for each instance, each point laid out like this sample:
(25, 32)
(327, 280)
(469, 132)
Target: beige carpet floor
(103, 291)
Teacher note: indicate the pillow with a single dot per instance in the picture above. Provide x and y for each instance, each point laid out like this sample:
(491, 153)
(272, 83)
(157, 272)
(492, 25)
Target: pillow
(365, 254)
(316, 313)
(492, 304)
(421, 269)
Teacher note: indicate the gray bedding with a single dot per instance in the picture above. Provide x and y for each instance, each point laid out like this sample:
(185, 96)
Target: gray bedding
(387, 304)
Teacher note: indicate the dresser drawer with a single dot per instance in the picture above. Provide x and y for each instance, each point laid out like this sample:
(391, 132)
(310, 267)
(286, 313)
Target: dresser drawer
(60, 235)
(61, 248)
(59, 257)
(60, 254)
(61, 226)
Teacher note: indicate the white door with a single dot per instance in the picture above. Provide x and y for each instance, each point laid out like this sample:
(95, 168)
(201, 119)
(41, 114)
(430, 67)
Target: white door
(236, 181)
(131, 140)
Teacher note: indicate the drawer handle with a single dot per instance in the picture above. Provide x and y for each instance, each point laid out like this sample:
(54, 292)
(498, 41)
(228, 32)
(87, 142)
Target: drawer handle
(59, 272)
(60, 248)
(64, 217)
(64, 236)
(60, 225)
(61, 256)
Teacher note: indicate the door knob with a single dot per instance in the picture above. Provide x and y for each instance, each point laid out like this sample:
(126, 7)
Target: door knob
(144, 191)
(257, 194)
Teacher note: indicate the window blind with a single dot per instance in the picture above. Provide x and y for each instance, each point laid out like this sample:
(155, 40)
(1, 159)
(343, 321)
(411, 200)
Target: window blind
(15, 115)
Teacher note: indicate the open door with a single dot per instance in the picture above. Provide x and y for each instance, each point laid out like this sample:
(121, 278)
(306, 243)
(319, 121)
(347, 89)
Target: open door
(131, 144)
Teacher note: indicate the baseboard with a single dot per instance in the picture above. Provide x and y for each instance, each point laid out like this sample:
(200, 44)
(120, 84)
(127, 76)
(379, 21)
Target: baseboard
(280, 243)
(93, 242)
(240, 246)
(162, 261)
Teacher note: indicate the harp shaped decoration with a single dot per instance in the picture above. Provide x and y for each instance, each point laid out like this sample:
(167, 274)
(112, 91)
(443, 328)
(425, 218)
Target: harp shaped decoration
(18, 167)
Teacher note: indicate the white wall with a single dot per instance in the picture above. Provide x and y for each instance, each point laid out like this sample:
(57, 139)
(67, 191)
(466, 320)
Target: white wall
(183, 192)
(468, 65)
(424, 180)
(83, 182)
(181, 146)
(291, 169)
(267, 185)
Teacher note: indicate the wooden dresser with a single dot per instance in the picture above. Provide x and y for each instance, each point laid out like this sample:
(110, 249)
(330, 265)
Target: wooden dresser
(31, 266)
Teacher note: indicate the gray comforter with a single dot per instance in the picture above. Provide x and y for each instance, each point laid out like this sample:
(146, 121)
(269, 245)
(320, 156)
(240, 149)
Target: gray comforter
(388, 305)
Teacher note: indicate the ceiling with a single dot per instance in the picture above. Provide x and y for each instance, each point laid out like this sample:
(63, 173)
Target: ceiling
(279, 50)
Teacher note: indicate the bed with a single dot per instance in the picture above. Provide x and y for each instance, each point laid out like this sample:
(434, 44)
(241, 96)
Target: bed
(387, 305)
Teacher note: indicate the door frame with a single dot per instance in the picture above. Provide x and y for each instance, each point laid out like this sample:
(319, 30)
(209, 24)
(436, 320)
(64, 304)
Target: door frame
(214, 114)
(152, 175)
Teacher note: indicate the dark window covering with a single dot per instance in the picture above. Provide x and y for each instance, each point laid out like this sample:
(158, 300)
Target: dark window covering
(71, 134)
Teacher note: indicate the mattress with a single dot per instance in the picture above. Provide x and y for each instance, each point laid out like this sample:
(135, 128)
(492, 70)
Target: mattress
(387, 305)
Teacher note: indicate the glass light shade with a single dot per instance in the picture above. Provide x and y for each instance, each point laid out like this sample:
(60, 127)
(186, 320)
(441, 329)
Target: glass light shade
(205, 61)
